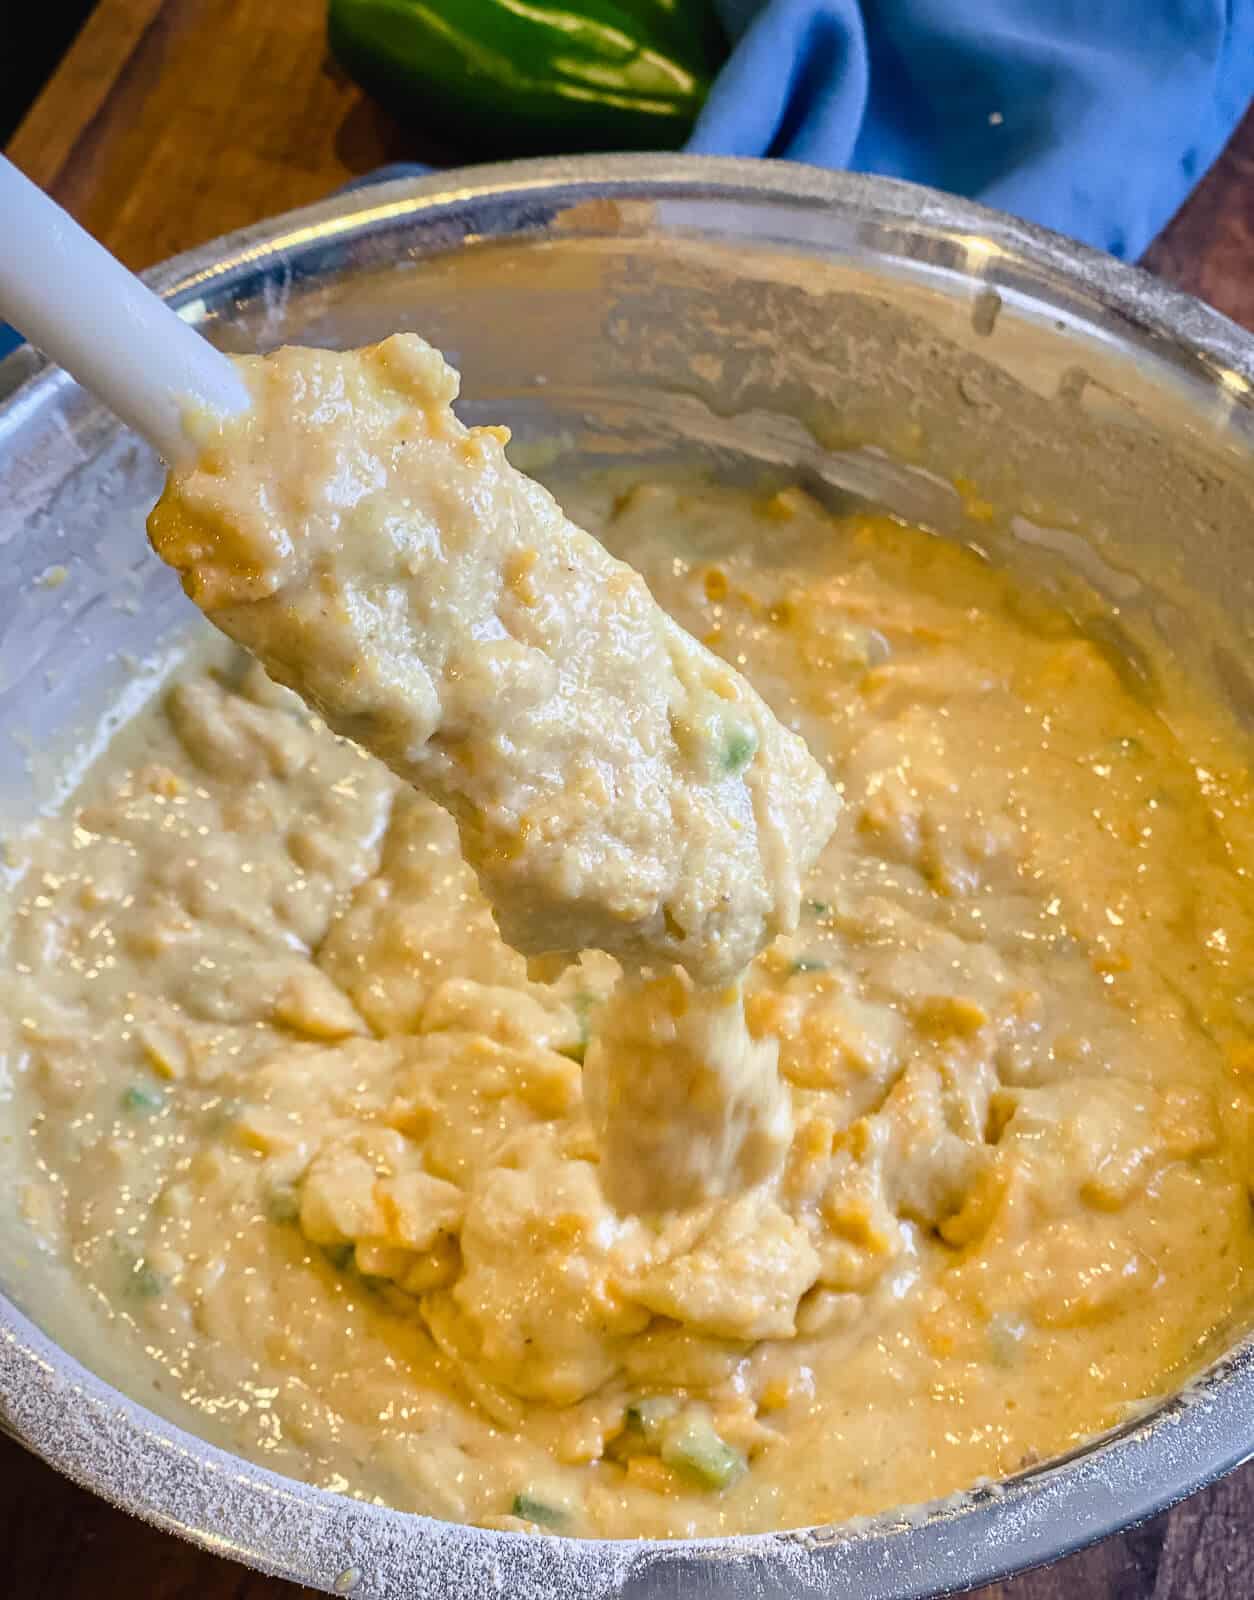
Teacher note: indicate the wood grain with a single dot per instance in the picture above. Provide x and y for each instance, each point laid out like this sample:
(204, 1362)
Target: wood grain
(172, 121)
(1208, 248)
(44, 142)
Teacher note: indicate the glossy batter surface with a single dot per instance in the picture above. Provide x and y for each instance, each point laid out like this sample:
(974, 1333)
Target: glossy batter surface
(321, 1156)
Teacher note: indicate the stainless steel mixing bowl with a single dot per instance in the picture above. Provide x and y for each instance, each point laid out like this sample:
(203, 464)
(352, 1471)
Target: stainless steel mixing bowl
(875, 340)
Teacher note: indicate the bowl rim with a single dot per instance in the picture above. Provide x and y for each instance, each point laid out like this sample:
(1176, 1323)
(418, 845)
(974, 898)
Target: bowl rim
(108, 1442)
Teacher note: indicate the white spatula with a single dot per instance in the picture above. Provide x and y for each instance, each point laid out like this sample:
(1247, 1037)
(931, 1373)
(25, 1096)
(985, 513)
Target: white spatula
(82, 307)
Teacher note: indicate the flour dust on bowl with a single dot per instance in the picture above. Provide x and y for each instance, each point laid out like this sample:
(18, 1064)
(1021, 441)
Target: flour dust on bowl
(945, 439)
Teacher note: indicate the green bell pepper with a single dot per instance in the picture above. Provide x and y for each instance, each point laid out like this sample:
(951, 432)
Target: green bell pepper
(532, 77)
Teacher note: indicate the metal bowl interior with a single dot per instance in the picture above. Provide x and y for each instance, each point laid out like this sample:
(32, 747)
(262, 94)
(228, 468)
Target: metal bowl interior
(875, 341)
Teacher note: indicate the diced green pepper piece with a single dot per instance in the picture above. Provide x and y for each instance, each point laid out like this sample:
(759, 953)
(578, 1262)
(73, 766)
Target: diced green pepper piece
(739, 750)
(691, 1445)
(145, 1283)
(583, 1004)
(532, 1509)
(283, 1203)
(140, 1101)
(139, 1280)
(808, 964)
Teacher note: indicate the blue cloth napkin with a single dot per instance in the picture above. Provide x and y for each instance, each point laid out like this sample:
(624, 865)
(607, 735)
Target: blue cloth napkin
(1094, 117)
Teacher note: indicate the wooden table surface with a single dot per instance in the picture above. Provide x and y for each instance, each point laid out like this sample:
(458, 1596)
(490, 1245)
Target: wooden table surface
(171, 121)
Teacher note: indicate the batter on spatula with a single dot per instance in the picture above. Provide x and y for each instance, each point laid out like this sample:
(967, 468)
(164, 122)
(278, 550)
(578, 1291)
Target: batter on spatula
(615, 784)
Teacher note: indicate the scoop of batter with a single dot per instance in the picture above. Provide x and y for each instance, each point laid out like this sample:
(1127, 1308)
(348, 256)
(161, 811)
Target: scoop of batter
(687, 1104)
(614, 783)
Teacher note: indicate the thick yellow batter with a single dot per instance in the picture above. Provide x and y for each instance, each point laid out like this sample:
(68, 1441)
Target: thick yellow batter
(616, 785)
(320, 1155)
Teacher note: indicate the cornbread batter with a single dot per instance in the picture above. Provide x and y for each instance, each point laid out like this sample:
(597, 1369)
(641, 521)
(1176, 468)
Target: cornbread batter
(321, 1157)
(617, 786)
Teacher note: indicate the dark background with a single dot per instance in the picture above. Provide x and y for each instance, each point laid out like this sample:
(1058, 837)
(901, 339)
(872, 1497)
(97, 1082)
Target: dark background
(46, 28)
